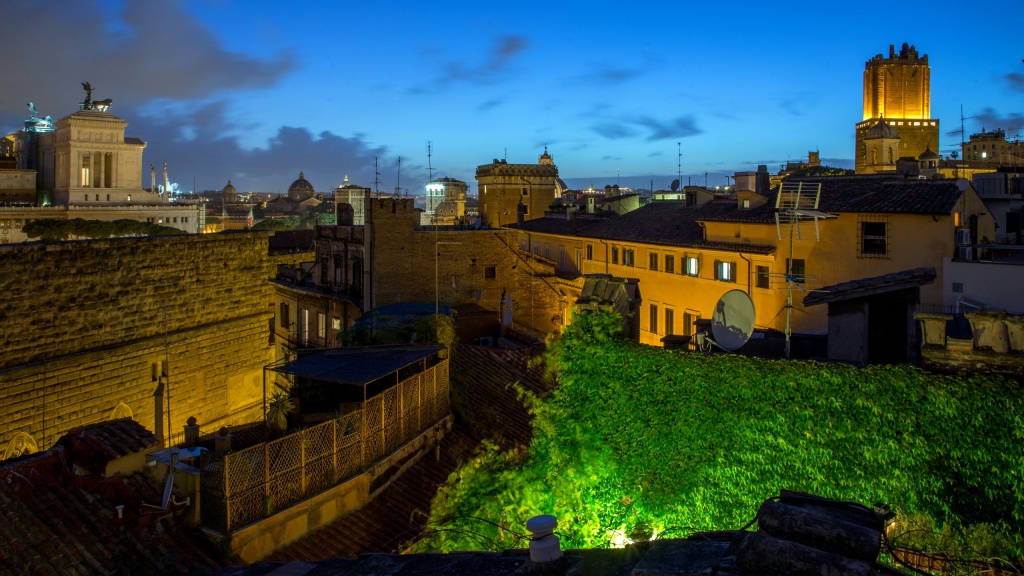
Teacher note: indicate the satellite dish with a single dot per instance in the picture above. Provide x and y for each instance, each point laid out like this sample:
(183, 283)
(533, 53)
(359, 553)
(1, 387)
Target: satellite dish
(733, 320)
(506, 318)
(963, 184)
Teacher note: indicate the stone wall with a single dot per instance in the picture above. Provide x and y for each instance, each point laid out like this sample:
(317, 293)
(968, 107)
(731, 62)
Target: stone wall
(92, 330)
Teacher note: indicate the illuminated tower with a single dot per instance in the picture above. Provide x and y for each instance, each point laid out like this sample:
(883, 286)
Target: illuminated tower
(897, 90)
(508, 191)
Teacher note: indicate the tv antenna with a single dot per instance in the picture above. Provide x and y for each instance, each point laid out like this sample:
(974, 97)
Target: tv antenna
(376, 178)
(430, 164)
(679, 162)
(398, 179)
(796, 202)
(732, 323)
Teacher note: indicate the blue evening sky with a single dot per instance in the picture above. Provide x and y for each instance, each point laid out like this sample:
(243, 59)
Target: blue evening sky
(256, 91)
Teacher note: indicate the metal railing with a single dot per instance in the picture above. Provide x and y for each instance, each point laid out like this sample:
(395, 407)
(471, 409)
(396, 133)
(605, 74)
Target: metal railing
(242, 487)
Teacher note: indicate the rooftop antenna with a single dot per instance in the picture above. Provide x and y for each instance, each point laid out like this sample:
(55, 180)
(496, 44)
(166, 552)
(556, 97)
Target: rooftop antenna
(506, 154)
(430, 164)
(376, 177)
(796, 201)
(398, 179)
(679, 161)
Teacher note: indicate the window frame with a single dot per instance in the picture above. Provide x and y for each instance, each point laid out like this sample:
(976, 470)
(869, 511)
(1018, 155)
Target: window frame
(652, 261)
(725, 271)
(766, 276)
(695, 272)
(670, 264)
(873, 239)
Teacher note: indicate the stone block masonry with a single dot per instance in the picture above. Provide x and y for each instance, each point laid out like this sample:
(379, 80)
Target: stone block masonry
(94, 329)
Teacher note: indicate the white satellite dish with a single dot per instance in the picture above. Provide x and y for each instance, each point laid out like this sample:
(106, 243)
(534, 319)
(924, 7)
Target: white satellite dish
(962, 184)
(733, 320)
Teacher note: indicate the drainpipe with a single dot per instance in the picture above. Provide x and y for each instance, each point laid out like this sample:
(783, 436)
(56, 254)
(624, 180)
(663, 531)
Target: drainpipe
(605, 255)
(750, 268)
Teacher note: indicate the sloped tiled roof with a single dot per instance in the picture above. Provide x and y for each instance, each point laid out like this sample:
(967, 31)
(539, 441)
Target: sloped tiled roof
(57, 522)
(865, 287)
(115, 437)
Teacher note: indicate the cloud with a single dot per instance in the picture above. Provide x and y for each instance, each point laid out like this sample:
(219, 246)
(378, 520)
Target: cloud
(609, 75)
(799, 103)
(676, 128)
(148, 50)
(192, 144)
(991, 120)
(482, 73)
(490, 104)
(613, 130)
(1015, 81)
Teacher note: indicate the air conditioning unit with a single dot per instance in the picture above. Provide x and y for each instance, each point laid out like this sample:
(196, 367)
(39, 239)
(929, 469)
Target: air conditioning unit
(965, 253)
(963, 237)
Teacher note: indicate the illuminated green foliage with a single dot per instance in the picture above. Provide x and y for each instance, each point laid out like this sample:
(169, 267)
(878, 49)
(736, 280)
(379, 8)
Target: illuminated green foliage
(637, 440)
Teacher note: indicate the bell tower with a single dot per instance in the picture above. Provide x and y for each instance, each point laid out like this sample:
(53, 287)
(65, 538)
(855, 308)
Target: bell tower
(897, 89)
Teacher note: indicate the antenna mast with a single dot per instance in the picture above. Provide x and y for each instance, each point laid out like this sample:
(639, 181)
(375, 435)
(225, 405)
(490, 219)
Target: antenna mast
(376, 177)
(398, 179)
(430, 165)
(679, 162)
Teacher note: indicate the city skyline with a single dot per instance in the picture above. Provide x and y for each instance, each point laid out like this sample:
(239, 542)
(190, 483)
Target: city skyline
(245, 91)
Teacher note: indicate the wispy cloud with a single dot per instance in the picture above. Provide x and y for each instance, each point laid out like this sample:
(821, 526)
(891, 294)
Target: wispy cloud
(1015, 81)
(649, 128)
(490, 104)
(123, 60)
(481, 73)
(992, 120)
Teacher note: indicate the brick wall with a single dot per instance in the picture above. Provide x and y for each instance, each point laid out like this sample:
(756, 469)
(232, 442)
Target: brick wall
(87, 326)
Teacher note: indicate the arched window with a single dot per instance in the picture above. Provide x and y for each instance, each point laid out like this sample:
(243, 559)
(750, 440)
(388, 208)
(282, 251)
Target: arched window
(890, 154)
(21, 444)
(120, 411)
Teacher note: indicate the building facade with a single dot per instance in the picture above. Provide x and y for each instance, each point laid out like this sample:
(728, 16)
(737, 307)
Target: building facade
(686, 256)
(897, 91)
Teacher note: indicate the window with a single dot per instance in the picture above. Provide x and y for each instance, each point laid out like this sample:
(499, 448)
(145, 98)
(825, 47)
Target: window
(763, 279)
(590, 251)
(97, 197)
(522, 245)
(285, 322)
(304, 326)
(654, 318)
(490, 271)
(692, 266)
(561, 258)
(85, 197)
(615, 255)
(526, 191)
(799, 270)
(321, 326)
(746, 204)
(653, 262)
(725, 271)
(958, 287)
(670, 264)
(687, 324)
(337, 270)
(323, 270)
(670, 320)
(873, 240)
(336, 324)
(627, 257)
(108, 197)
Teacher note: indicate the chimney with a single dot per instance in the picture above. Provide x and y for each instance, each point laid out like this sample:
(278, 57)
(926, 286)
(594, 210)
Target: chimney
(222, 441)
(191, 432)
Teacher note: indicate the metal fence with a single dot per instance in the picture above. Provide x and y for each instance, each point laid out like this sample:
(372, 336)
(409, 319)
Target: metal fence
(242, 487)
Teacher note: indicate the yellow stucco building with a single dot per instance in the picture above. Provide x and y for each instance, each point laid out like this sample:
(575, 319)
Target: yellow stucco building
(686, 257)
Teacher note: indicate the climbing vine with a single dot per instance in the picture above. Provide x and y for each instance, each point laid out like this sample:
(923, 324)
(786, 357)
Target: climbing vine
(638, 442)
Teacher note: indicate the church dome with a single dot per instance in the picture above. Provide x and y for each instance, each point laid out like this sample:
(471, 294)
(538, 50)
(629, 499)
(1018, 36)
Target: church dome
(928, 154)
(301, 189)
(229, 194)
(881, 130)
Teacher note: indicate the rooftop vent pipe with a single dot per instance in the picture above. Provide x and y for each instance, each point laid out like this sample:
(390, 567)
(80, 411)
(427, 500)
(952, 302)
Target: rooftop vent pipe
(543, 544)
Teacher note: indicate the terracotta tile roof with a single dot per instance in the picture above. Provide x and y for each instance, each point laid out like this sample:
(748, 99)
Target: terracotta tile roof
(864, 287)
(397, 515)
(57, 522)
(114, 437)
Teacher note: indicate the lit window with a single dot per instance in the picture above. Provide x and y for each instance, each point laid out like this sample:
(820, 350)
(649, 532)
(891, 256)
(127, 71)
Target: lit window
(336, 324)
(321, 325)
(725, 271)
(692, 266)
(627, 257)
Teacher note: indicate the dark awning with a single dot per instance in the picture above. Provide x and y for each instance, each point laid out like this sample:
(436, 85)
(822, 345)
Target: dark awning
(356, 366)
